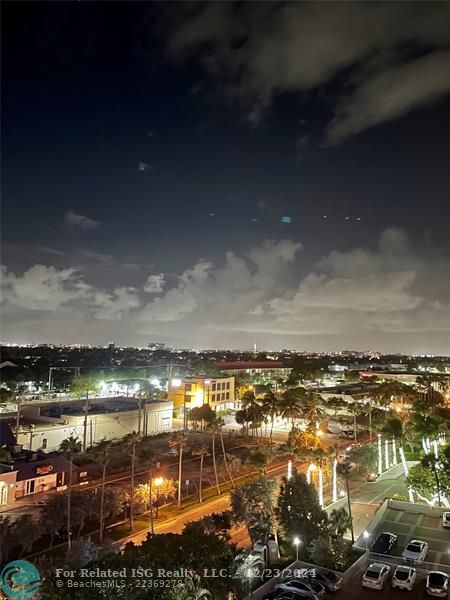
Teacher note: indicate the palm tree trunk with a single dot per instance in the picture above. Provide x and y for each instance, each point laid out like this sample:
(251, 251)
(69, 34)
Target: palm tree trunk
(271, 430)
(354, 426)
(370, 423)
(200, 499)
(133, 460)
(102, 505)
(180, 467)
(150, 485)
(214, 461)
(69, 500)
(227, 466)
(86, 409)
(350, 509)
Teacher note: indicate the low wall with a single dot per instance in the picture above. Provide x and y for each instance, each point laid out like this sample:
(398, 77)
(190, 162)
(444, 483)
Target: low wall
(423, 509)
(360, 543)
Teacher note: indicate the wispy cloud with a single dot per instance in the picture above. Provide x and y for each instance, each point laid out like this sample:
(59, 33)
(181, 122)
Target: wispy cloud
(73, 219)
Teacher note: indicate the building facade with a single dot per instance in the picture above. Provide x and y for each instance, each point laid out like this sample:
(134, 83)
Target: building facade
(112, 421)
(193, 392)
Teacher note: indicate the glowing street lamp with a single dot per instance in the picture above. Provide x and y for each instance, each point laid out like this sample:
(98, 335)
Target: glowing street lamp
(366, 536)
(296, 541)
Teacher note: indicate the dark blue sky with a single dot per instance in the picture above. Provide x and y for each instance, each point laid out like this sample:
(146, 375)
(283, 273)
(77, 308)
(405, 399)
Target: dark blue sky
(90, 92)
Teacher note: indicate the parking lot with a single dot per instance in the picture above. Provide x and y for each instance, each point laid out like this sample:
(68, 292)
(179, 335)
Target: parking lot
(408, 526)
(353, 589)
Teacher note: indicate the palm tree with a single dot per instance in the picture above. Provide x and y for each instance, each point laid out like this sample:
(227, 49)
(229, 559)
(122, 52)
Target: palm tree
(270, 410)
(343, 469)
(148, 456)
(102, 456)
(289, 406)
(219, 423)
(84, 384)
(200, 451)
(311, 406)
(340, 521)
(5, 456)
(213, 428)
(129, 444)
(68, 448)
(178, 442)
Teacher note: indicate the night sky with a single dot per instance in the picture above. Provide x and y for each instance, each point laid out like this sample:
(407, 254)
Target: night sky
(210, 175)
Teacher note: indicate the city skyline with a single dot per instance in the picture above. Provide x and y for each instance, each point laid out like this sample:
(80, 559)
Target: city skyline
(209, 177)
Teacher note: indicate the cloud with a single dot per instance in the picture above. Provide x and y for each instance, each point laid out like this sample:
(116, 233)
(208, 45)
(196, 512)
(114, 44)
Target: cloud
(256, 51)
(42, 288)
(394, 297)
(155, 284)
(391, 94)
(73, 219)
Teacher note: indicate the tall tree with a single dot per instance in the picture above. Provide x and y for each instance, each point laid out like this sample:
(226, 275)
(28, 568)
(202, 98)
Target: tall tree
(298, 510)
(290, 406)
(270, 410)
(129, 445)
(219, 423)
(213, 429)
(102, 453)
(344, 469)
(83, 385)
(178, 441)
(68, 448)
(147, 457)
(200, 451)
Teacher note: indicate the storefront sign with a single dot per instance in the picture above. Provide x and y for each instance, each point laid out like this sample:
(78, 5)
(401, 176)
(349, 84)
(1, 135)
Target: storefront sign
(44, 469)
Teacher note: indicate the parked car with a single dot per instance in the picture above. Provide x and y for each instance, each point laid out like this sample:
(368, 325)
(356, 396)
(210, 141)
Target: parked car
(446, 519)
(330, 581)
(384, 542)
(415, 552)
(277, 595)
(375, 576)
(305, 587)
(437, 584)
(404, 578)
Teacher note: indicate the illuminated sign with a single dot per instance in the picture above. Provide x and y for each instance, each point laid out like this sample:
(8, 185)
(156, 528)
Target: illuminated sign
(44, 469)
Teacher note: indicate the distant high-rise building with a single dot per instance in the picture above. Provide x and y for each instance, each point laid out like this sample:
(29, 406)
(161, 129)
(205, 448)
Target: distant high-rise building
(112, 346)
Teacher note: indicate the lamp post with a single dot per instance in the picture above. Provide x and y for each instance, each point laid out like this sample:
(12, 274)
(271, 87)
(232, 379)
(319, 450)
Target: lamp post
(296, 541)
(366, 536)
(335, 494)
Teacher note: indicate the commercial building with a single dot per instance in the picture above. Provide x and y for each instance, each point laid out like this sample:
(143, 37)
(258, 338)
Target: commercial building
(193, 392)
(27, 473)
(269, 369)
(108, 419)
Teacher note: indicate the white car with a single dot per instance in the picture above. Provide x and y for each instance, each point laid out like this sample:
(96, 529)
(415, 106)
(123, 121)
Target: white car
(404, 578)
(437, 584)
(375, 576)
(415, 552)
(446, 519)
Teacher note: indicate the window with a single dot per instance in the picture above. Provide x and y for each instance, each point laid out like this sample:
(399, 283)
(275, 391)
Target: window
(228, 396)
(44, 443)
(213, 387)
(228, 385)
(188, 387)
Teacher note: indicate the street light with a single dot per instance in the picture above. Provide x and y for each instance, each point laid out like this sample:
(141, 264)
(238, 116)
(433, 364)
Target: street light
(296, 541)
(366, 536)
